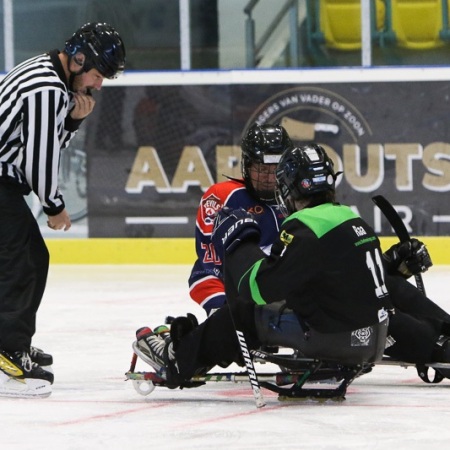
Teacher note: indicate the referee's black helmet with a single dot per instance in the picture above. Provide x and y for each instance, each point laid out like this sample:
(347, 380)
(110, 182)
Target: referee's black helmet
(101, 46)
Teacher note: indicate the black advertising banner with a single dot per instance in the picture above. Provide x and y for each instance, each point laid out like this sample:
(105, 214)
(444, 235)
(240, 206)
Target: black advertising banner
(153, 150)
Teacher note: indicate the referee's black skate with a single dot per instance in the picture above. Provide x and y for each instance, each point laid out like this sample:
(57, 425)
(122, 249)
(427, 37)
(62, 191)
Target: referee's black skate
(21, 377)
(41, 358)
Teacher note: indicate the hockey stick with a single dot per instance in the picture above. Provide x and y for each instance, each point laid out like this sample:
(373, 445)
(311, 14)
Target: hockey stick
(251, 372)
(220, 377)
(280, 378)
(399, 227)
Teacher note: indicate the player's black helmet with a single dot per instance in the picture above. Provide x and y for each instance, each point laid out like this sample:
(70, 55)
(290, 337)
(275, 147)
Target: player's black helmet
(262, 144)
(302, 172)
(102, 47)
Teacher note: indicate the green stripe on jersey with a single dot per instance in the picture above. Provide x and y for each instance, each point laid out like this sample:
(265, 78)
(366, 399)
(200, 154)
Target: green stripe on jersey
(323, 218)
(254, 289)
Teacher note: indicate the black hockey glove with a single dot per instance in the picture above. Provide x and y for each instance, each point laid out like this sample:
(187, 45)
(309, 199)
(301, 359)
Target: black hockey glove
(180, 327)
(231, 227)
(408, 258)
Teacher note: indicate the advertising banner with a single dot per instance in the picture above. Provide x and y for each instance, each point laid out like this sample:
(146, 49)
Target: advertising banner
(153, 150)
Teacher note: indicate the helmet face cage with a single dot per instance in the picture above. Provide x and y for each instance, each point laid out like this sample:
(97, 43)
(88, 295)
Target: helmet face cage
(102, 47)
(262, 147)
(261, 177)
(286, 207)
(303, 172)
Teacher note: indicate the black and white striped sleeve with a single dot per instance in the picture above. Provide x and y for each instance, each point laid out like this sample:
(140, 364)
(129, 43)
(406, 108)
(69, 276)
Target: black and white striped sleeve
(44, 113)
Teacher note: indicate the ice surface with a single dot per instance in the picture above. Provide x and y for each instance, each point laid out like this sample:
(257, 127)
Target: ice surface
(88, 320)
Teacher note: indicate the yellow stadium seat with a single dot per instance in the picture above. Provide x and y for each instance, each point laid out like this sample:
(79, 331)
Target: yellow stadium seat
(340, 22)
(417, 23)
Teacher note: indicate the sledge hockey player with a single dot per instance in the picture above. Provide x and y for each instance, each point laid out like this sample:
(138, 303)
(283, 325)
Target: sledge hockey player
(320, 291)
(261, 147)
(43, 101)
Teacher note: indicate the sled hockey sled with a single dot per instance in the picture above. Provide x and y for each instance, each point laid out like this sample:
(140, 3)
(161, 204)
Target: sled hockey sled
(298, 378)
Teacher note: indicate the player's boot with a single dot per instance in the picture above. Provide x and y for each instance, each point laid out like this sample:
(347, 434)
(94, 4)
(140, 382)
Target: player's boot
(156, 349)
(41, 358)
(21, 377)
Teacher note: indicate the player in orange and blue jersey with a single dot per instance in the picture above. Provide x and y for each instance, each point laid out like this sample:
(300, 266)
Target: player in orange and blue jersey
(262, 147)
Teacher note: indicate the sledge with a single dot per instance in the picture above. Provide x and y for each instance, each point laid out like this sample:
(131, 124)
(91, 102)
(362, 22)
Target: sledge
(296, 379)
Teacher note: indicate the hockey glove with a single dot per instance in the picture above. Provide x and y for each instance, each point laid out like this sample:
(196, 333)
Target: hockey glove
(408, 258)
(231, 227)
(180, 327)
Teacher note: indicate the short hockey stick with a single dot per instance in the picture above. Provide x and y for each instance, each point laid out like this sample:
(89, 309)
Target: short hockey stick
(253, 378)
(251, 372)
(280, 378)
(399, 227)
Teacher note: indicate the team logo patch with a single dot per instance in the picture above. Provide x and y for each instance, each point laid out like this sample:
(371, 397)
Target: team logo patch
(286, 238)
(209, 208)
(361, 337)
(306, 183)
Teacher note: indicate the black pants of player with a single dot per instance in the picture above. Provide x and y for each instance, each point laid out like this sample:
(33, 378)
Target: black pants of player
(214, 342)
(24, 262)
(407, 298)
(278, 326)
(416, 325)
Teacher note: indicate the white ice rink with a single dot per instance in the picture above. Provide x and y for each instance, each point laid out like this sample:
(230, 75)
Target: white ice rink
(88, 320)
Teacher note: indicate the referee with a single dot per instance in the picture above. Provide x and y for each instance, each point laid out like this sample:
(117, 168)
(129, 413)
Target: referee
(42, 103)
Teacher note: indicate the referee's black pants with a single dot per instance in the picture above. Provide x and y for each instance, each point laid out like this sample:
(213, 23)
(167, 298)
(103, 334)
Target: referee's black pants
(24, 263)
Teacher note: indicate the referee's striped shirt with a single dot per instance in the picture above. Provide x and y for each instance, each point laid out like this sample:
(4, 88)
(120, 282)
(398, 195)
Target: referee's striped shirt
(35, 126)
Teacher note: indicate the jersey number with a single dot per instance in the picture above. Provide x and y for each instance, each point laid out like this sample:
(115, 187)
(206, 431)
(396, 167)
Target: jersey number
(210, 254)
(376, 269)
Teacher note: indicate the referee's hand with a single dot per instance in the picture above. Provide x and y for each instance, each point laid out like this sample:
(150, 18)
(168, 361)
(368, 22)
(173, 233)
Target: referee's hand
(84, 104)
(59, 222)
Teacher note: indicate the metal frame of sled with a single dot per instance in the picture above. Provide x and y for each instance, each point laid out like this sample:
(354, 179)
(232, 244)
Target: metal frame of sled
(298, 378)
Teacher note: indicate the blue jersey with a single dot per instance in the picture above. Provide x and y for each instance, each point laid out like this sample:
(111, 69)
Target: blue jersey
(205, 282)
